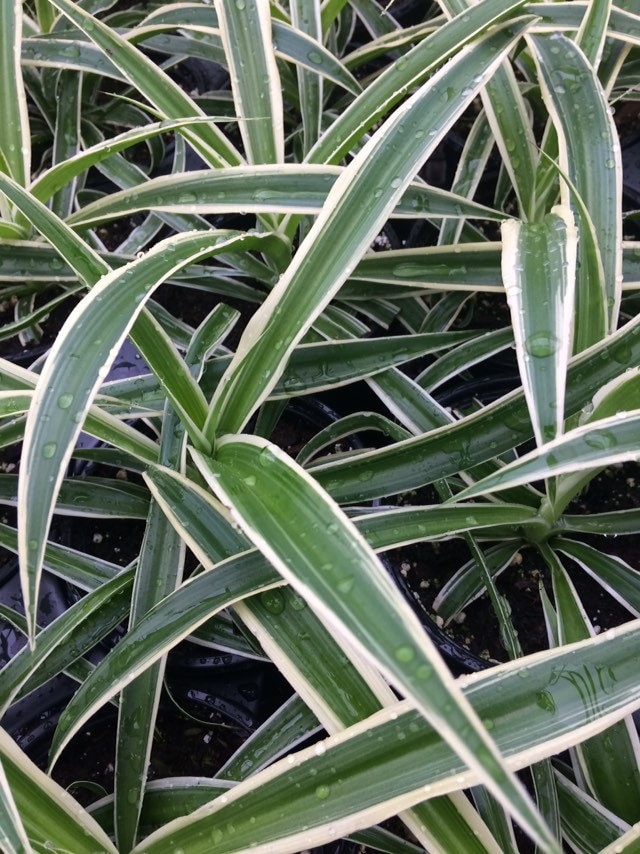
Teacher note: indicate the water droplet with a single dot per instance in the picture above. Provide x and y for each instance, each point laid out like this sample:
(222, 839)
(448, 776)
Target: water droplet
(545, 701)
(65, 401)
(424, 672)
(541, 344)
(315, 57)
(404, 654)
(323, 792)
(132, 796)
(621, 353)
(345, 585)
(266, 457)
(250, 480)
(273, 601)
(601, 440)
(49, 450)
(297, 602)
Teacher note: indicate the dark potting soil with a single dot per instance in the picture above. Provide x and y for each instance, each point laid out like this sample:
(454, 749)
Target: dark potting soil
(182, 746)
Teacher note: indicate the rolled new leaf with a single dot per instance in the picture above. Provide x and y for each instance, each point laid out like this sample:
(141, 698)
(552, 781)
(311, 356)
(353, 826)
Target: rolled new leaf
(538, 269)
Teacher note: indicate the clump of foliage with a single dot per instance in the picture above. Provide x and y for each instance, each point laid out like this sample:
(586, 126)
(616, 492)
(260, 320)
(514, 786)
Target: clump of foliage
(311, 145)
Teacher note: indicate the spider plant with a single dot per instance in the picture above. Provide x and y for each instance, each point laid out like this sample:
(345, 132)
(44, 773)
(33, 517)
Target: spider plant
(317, 142)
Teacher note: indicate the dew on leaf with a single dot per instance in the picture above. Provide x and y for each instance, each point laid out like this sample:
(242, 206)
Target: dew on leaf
(65, 401)
(273, 601)
(404, 654)
(345, 585)
(541, 344)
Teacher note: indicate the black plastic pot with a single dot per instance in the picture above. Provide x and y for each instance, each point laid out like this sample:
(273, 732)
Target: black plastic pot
(631, 170)
(54, 599)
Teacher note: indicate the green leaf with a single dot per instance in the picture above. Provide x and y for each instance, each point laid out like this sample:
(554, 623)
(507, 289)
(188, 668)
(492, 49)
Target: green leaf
(629, 841)
(590, 156)
(394, 527)
(470, 353)
(413, 68)
(158, 573)
(15, 135)
(347, 427)
(172, 372)
(466, 584)
(70, 55)
(472, 267)
(506, 110)
(496, 819)
(63, 173)
(83, 260)
(585, 822)
(89, 496)
(78, 568)
(321, 366)
(66, 141)
(246, 35)
(609, 760)
(289, 726)
(538, 269)
(610, 571)
(616, 522)
(601, 443)
(286, 188)
(288, 630)
(469, 170)
(593, 31)
(305, 17)
(13, 837)
(289, 43)
(312, 367)
(332, 568)
(620, 394)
